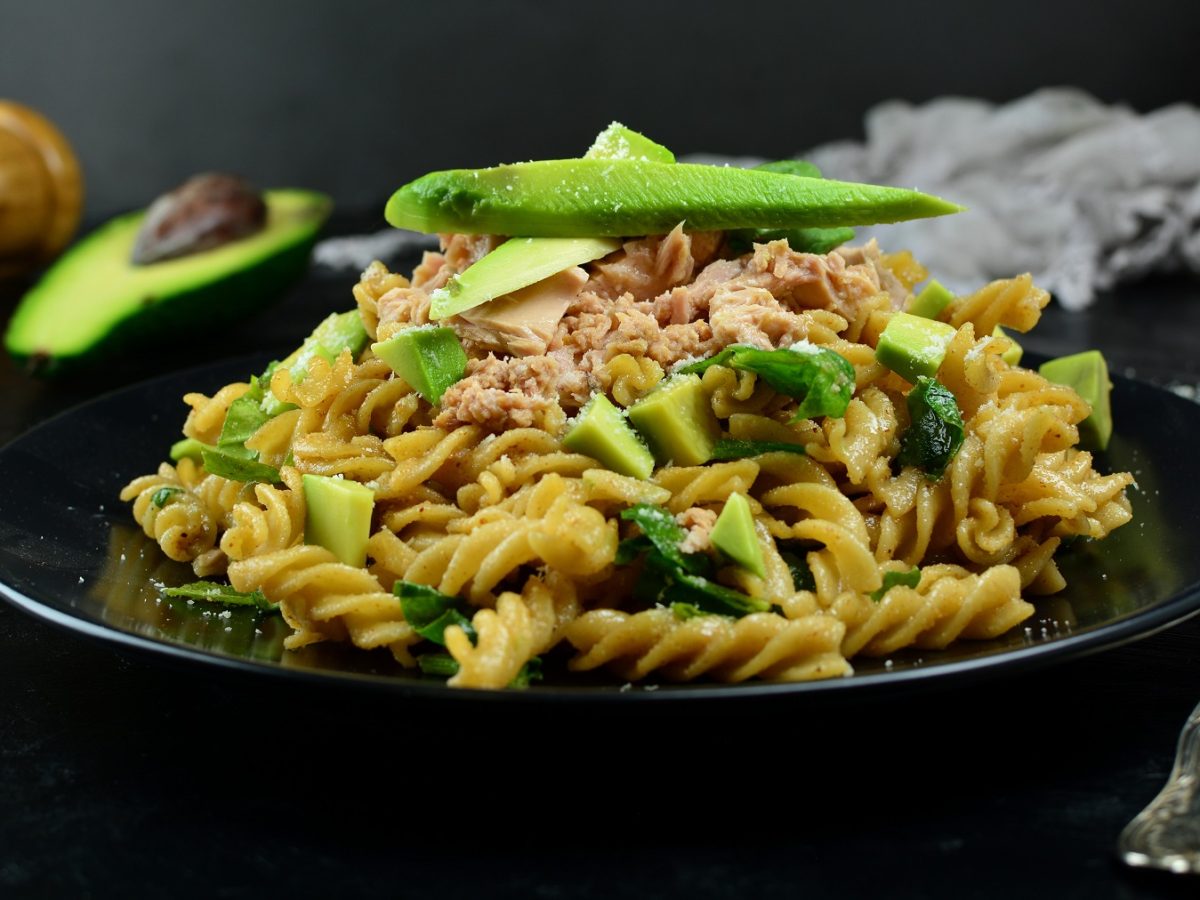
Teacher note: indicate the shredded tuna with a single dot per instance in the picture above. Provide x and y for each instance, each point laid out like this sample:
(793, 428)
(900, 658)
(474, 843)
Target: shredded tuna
(699, 522)
(501, 393)
(668, 298)
(870, 254)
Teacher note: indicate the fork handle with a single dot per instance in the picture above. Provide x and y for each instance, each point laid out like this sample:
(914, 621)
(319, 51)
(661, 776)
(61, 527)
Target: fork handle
(1166, 834)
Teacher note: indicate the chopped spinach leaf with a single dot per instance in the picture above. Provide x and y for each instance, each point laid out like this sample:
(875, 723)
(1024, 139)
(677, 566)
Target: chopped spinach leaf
(822, 380)
(244, 417)
(936, 430)
(665, 534)
(162, 496)
(212, 592)
(443, 665)
(910, 579)
(530, 672)
(237, 464)
(710, 596)
(729, 448)
(802, 576)
(431, 612)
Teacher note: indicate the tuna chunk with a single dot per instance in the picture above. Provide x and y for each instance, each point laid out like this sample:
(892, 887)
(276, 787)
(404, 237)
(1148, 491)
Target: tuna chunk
(522, 323)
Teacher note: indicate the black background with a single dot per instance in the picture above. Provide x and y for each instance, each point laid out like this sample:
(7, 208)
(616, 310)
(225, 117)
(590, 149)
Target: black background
(359, 96)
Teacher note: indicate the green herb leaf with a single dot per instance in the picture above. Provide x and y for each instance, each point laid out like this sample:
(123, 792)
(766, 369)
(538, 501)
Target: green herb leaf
(802, 576)
(936, 430)
(212, 592)
(238, 464)
(721, 358)
(729, 448)
(631, 548)
(443, 665)
(160, 497)
(910, 579)
(710, 596)
(822, 380)
(530, 672)
(431, 612)
(244, 417)
(665, 534)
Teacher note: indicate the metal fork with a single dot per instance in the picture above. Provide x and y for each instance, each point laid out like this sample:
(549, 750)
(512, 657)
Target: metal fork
(1166, 834)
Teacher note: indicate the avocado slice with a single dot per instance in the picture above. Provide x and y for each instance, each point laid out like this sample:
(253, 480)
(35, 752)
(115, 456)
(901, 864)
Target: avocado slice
(601, 432)
(429, 358)
(618, 142)
(612, 198)
(677, 421)
(94, 301)
(928, 304)
(1087, 373)
(733, 534)
(913, 347)
(515, 264)
(338, 516)
(522, 261)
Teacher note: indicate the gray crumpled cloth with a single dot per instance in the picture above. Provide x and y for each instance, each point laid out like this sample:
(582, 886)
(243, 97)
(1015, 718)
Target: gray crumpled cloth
(1080, 194)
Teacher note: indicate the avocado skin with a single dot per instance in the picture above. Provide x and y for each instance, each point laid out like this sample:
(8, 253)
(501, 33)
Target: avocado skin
(200, 308)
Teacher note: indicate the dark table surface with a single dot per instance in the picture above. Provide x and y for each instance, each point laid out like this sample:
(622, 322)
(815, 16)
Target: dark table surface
(123, 775)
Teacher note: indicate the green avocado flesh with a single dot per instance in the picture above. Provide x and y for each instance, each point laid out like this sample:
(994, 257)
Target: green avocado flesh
(1087, 373)
(931, 301)
(677, 421)
(517, 263)
(733, 534)
(912, 346)
(338, 517)
(602, 432)
(522, 261)
(430, 359)
(618, 142)
(94, 301)
(611, 198)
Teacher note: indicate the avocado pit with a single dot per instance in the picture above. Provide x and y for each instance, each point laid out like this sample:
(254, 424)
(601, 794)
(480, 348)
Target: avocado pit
(206, 211)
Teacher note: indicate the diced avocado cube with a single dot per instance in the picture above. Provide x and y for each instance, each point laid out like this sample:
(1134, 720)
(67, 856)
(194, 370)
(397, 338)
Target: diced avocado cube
(1087, 373)
(677, 421)
(428, 358)
(337, 332)
(339, 517)
(912, 346)
(188, 448)
(1013, 354)
(601, 432)
(931, 301)
(733, 534)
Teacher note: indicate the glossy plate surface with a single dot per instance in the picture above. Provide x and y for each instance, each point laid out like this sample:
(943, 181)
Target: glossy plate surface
(70, 553)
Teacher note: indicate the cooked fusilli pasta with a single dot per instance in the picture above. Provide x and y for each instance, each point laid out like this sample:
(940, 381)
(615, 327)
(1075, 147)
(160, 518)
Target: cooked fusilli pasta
(533, 548)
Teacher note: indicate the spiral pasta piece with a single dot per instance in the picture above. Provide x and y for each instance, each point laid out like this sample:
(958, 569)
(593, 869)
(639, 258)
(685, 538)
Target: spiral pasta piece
(761, 645)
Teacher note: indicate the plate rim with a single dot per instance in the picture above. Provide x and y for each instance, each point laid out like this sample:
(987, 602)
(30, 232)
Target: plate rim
(1124, 629)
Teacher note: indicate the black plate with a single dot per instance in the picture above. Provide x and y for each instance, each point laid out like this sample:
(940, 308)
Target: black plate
(71, 554)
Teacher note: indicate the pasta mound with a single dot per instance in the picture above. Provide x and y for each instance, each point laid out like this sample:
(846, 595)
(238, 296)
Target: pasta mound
(478, 498)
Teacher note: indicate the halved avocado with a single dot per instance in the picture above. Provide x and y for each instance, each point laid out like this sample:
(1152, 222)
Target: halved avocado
(94, 301)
